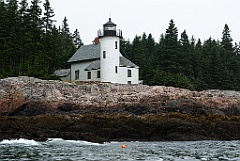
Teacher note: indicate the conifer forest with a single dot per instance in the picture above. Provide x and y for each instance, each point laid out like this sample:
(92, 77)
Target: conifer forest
(31, 44)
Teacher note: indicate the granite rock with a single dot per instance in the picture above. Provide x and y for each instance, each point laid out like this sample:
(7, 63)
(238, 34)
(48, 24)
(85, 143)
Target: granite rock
(19, 95)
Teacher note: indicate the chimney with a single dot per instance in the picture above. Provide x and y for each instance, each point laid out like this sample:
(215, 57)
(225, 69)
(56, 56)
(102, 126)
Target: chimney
(96, 41)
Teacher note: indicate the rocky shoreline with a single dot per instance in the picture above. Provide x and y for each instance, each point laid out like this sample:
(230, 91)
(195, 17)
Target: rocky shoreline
(39, 109)
(105, 127)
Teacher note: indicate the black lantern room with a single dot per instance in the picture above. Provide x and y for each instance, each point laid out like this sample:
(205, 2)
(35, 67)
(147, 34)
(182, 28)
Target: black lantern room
(109, 29)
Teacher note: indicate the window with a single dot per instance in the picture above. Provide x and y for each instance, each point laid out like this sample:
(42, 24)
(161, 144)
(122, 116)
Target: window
(116, 44)
(104, 54)
(76, 74)
(129, 82)
(129, 73)
(116, 69)
(109, 28)
(89, 75)
(98, 74)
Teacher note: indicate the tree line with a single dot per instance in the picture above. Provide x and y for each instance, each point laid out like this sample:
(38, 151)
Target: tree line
(186, 62)
(30, 43)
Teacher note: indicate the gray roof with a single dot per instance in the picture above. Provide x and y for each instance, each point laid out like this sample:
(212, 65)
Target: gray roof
(86, 52)
(92, 52)
(127, 63)
(124, 62)
(109, 23)
(62, 72)
(95, 65)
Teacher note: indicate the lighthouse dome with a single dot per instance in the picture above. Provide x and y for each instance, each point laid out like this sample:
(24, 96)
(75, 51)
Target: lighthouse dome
(109, 23)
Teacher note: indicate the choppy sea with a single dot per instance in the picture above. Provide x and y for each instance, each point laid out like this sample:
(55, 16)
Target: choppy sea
(69, 150)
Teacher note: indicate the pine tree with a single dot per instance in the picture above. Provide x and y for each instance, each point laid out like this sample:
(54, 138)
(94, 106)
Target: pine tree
(65, 29)
(3, 37)
(197, 66)
(67, 46)
(229, 58)
(55, 50)
(150, 60)
(48, 14)
(49, 53)
(185, 55)
(169, 56)
(29, 43)
(12, 37)
(76, 39)
(136, 45)
(237, 48)
(171, 36)
(35, 48)
(226, 39)
(24, 38)
(150, 45)
(126, 49)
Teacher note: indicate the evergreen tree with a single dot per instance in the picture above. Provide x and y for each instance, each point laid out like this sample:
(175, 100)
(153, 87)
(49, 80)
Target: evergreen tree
(48, 14)
(226, 39)
(11, 39)
(3, 38)
(161, 49)
(237, 48)
(76, 39)
(150, 45)
(169, 57)
(29, 43)
(65, 29)
(67, 46)
(150, 60)
(229, 58)
(197, 66)
(185, 55)
(35, 46)
(136, 45)
(24, 38)
(171, 36)
(56, 51)
(126, 49)
(49, 54)
(34, 13)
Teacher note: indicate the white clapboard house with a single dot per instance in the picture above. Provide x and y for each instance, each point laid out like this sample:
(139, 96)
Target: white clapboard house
(102, 60)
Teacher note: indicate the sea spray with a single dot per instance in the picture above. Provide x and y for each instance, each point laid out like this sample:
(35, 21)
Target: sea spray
(19, 141)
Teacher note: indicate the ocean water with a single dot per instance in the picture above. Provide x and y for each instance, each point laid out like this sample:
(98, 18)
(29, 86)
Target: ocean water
(70, 150)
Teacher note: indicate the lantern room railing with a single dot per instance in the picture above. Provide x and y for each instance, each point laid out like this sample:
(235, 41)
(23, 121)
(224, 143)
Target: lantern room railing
(117, 33)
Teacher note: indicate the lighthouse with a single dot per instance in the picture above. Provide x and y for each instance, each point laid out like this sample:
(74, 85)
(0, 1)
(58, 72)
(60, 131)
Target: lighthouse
(102, 61)
(110, 54)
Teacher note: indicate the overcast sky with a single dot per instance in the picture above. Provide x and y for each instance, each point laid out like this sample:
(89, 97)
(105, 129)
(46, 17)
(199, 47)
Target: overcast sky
(201, 18)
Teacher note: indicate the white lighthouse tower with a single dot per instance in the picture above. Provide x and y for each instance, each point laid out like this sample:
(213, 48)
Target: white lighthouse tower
(110, 52)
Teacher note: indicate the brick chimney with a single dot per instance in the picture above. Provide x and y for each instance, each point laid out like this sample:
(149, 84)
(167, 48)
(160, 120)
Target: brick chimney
(96, 41)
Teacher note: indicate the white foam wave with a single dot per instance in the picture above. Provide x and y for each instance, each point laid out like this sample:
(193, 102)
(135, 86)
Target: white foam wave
(83, 142)
(72, 141)
(54, 139)
(19, 141)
